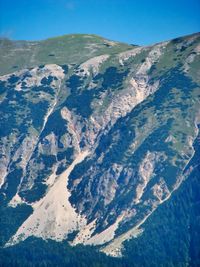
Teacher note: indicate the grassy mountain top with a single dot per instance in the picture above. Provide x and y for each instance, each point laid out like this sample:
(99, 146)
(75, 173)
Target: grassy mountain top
(71, 49)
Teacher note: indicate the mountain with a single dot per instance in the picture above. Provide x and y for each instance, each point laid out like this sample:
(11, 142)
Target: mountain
(100, 152)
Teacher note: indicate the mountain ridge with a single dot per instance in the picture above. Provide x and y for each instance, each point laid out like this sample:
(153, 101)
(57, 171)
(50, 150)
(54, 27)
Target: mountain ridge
(136, 109)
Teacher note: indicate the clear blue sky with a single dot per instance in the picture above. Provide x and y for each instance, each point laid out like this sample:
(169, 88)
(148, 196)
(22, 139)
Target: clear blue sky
(133, 21)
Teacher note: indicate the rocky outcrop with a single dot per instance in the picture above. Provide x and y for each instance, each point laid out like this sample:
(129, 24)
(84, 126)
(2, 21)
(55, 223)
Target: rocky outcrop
(96, 145)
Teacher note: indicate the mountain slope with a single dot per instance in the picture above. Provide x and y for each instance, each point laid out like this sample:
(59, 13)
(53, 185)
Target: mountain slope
(95, 135)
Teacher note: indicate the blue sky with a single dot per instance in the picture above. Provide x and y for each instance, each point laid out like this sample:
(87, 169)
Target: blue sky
(133, 21)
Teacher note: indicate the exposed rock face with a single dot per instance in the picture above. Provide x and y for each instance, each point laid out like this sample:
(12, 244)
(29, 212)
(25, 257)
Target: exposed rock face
(53, 216)
(95, 143)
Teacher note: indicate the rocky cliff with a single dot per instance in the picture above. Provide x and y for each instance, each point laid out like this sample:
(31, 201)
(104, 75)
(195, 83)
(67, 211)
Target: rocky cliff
(95, 134)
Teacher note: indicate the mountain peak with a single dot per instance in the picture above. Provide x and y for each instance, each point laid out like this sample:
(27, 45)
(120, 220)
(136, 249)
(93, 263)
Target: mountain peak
(96, 137)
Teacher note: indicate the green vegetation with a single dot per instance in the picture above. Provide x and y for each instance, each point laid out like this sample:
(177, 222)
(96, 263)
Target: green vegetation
(73, 49)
